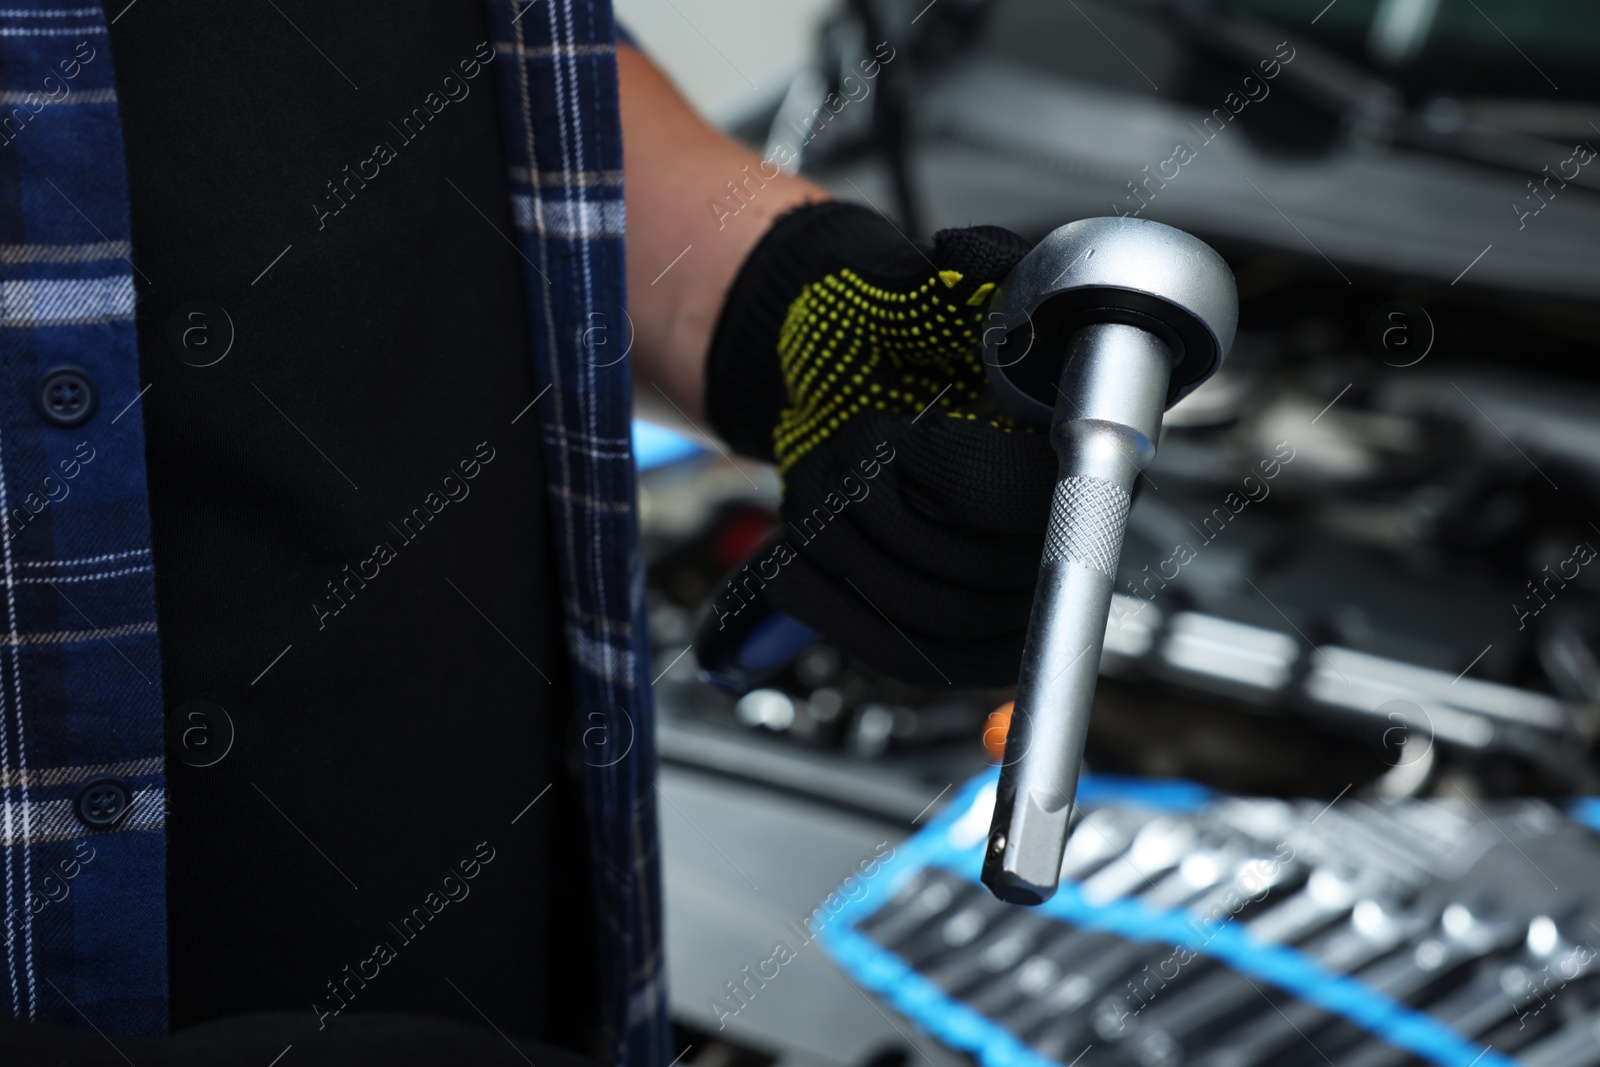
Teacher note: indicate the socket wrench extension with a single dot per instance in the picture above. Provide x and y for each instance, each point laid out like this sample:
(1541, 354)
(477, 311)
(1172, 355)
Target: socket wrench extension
(1096, 332)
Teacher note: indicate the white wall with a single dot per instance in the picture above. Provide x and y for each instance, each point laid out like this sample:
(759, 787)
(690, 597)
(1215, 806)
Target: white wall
(726, 56)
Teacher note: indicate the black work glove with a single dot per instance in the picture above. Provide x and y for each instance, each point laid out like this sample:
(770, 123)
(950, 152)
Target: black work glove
(914, 511)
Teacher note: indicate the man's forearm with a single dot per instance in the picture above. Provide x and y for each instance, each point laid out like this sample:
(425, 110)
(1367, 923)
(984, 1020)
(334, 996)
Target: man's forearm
(677, 168)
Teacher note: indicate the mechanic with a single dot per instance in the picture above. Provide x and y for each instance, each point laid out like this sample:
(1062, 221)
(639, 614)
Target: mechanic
(314, 328)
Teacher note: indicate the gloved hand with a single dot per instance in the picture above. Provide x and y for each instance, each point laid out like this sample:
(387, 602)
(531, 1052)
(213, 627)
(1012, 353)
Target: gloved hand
(914, 511)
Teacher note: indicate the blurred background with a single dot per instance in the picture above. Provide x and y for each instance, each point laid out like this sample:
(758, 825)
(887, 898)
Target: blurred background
(1405, 613)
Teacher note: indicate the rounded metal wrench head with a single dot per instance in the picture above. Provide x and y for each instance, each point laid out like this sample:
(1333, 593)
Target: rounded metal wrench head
(1125, 270)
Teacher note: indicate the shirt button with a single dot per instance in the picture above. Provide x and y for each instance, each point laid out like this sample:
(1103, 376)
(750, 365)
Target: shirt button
(102, 801)
(67, 396)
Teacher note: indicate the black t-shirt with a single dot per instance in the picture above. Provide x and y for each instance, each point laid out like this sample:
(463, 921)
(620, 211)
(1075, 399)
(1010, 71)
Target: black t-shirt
(350, 540)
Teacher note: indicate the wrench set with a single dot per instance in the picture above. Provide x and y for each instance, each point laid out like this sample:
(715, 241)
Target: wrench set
(1240, 932)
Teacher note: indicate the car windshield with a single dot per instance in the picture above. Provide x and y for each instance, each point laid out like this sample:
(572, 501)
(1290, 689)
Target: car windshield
(1525, 49)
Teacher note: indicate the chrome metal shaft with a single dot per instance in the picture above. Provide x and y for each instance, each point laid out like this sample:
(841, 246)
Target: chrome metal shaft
(1111, 396)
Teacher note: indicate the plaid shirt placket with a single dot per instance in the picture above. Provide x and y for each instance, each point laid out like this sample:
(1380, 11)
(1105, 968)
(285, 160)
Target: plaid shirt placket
(80, 674)
(564, 147)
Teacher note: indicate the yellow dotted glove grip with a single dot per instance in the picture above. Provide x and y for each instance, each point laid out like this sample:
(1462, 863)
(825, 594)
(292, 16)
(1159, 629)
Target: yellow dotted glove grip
(847, 345)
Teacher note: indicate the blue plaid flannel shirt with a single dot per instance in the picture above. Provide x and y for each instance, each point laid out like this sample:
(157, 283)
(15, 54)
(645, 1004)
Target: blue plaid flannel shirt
(84, 925)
